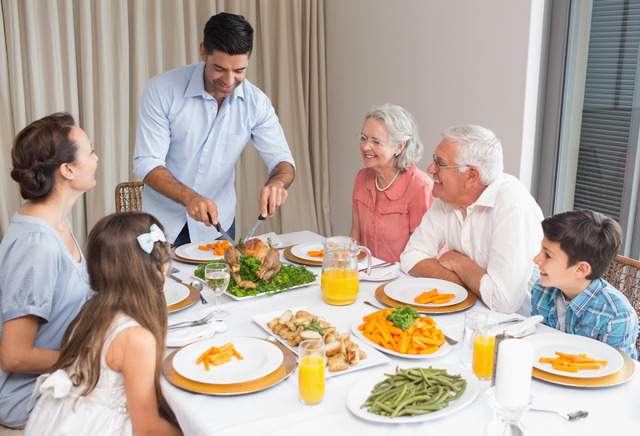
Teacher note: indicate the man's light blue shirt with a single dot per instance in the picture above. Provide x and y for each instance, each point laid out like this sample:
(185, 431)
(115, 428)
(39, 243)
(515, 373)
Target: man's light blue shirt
(599, 312)
(181, 128)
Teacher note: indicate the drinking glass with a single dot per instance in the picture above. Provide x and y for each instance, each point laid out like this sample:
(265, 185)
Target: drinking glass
(484, 342)
(217, 277)
(311, 371)
(470, 321)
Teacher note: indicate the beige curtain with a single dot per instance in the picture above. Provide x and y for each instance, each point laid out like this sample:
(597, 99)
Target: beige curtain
(92, 58)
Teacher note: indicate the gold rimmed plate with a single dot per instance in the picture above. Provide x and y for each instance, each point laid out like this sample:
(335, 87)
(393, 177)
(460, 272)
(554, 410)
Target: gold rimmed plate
(194, 295)
(281, 373)
(463, 305)
(293, 258)
(622, 375)
(175, 256)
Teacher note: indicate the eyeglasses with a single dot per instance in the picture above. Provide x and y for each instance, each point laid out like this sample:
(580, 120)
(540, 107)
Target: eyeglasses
(374, 142)
(435, 161)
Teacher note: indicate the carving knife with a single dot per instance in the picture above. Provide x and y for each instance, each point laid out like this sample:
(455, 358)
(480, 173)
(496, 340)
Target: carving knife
(250, 234)
(222, 232)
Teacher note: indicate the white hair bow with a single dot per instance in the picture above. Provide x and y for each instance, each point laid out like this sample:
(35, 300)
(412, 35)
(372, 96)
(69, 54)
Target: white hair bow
(146, 240)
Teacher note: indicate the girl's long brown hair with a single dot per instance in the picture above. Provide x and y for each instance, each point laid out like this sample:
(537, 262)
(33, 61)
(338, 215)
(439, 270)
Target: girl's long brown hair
(125, 279)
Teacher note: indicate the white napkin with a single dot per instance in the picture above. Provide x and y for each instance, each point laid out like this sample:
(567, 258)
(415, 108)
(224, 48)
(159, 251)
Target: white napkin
(521, 327)
(379, 274)
(187, 335)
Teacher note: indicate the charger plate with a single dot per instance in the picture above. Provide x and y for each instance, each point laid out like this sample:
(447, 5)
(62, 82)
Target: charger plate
(622, 375)
(174, 256)
(463, 305)
(283, 371)
(293, 258)
(194, 295)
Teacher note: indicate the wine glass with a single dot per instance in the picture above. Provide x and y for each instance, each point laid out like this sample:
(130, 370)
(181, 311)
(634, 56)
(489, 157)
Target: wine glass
(217, 276)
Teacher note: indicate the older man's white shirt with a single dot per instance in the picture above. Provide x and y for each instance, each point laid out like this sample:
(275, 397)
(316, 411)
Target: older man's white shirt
(501, 234)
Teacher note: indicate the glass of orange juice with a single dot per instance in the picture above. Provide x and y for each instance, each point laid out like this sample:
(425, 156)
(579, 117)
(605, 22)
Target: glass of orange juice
(484, 342)
(311, 371)
(339, 282)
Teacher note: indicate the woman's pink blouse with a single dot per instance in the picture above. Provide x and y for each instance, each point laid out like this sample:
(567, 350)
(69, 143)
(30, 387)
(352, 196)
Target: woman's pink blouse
(386, 230)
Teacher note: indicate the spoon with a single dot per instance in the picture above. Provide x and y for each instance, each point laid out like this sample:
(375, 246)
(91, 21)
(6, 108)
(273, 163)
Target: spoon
(572, 416)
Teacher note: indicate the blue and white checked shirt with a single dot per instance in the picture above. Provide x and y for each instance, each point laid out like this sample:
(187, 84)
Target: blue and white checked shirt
(599, 312)
(181, 128)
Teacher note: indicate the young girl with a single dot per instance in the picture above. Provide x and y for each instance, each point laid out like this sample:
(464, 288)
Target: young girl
(106, 381)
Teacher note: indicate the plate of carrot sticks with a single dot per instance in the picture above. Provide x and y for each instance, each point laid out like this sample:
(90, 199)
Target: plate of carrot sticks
(426, 292)
(422, 340)
(574, 356)
(245, 360)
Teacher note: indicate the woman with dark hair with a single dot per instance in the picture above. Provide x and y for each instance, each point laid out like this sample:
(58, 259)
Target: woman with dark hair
(43, 274)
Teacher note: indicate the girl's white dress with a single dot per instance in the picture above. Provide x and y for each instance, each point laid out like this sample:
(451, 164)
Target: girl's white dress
(103, 412)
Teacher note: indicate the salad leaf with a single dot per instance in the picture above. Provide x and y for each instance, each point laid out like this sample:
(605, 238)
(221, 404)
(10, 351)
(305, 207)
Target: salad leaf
(288, 277)
(403, 317)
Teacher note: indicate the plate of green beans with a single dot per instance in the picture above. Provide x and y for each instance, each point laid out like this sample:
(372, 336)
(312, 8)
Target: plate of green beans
(413, 394)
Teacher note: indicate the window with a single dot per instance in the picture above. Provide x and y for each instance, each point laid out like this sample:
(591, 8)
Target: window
(596, 158)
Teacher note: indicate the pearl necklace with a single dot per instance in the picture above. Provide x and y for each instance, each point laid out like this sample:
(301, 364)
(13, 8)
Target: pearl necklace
(389, 185)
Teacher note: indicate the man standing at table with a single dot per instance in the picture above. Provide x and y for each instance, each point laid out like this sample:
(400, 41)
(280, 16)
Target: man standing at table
(193, 123)
(487, 220)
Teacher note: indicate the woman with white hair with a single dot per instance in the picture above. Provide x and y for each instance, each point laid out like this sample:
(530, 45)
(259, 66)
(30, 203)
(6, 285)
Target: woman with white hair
(390, 194)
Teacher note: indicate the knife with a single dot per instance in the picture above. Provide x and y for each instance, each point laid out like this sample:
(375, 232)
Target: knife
(222, 232)
(250, 234)
(175, 278)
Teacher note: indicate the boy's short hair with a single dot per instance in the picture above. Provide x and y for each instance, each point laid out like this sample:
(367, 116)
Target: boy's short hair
(585, 235)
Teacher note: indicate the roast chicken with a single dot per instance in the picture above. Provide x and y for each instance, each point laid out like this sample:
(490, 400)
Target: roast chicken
(269, 258)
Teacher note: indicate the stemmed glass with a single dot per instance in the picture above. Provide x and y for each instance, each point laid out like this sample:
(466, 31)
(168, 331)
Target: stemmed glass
(217, 276)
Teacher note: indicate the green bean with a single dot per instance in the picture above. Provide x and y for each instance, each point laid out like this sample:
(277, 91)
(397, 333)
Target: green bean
(414, 391)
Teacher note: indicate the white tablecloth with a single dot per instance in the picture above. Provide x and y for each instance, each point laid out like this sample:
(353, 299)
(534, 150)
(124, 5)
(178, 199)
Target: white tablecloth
(277, 410)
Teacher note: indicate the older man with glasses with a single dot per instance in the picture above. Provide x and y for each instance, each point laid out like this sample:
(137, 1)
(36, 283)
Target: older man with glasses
(487, 220)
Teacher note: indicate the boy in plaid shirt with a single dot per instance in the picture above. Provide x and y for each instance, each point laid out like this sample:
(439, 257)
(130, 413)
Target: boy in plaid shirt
(577, 249)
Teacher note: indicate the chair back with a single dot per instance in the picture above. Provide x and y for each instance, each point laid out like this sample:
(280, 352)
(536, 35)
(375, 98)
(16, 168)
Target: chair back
(129, 197)
(624, 274)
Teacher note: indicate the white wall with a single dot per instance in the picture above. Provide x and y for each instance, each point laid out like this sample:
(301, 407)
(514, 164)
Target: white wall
(448, 62)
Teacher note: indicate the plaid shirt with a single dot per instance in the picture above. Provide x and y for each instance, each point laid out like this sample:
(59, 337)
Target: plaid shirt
(599, 312)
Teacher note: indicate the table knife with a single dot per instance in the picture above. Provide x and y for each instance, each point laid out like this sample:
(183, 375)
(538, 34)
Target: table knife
(250, 234)
(222, 232)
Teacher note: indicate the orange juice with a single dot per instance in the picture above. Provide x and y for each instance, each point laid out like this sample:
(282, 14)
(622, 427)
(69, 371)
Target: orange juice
(339, 286)
(311, 379)
(483, 347)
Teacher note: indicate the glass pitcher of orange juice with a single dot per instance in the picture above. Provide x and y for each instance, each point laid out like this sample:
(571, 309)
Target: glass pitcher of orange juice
(339, 281)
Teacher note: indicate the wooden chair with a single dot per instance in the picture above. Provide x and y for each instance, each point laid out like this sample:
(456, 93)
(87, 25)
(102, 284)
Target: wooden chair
(129, 197)
(624, 274)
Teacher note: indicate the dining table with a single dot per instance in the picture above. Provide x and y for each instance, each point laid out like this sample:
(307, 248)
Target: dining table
(278, 409)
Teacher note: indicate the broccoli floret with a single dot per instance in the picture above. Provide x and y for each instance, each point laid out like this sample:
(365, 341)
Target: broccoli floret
(403, 316)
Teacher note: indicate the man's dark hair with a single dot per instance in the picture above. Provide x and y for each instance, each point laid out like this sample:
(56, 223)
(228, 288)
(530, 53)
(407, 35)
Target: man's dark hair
(228, 33)
(585, 235)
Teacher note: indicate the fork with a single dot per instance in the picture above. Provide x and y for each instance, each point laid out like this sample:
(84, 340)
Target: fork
(382, 265)
(446, 338)
(201, 321)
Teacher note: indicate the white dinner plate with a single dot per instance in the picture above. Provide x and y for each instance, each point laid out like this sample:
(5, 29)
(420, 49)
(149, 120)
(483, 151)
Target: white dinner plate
(442, 350)
(373, 357)
(546, 345)
(405, 291)
(192, 252)
(174, 292)
(362, 389)
(301, 250)
(283, 241)
(261, 358)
